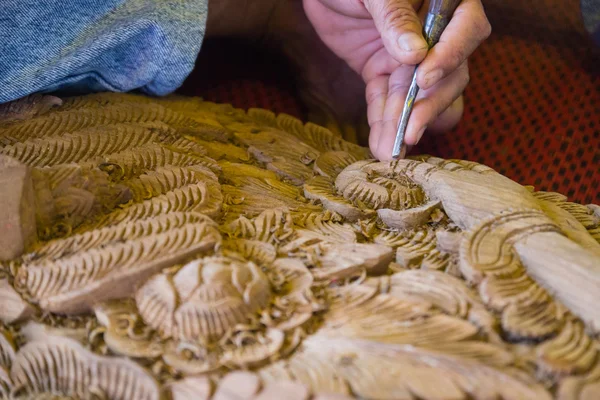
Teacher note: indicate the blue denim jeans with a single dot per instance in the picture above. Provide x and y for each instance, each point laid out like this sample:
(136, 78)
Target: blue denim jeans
(81, 46)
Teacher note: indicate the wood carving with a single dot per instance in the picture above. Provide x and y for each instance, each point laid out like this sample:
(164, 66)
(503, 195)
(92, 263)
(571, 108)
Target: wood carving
(179, 249)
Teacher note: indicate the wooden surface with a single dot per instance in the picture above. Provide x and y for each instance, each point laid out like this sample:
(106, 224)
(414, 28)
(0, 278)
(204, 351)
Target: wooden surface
(186, 249)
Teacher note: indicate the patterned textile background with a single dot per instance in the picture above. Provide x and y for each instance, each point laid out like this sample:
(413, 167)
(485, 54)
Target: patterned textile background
(532, 109)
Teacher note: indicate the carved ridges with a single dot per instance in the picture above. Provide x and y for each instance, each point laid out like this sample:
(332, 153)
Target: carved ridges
(93, 100)
(90, 267)
(80, 146)
(381, 318)
(133, 162)
(385, 371)
(331, 163)
(416, 249)
(271, 226)
(488, 259)
(7, 349)
(204, 299)
(321, 189)
(256, 251)
(454, 164)
(161, 181)
(61, 365)
(126, 231)
(202, 197)
(281, 153)
(476, 263)
(319, 137)
(70, 121)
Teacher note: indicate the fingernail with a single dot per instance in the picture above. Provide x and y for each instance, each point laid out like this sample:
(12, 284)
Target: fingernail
(432, 77)
(410, 41)
(420, 135)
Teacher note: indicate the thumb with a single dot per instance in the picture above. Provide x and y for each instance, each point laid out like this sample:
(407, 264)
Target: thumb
(400, 29)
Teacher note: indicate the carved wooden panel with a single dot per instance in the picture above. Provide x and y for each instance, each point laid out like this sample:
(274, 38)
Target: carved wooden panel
(181, 249)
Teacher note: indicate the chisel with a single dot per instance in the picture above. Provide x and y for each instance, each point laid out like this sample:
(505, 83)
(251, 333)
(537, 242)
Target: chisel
(438, 16)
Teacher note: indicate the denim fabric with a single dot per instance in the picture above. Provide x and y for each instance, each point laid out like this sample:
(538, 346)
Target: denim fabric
(590, 10)
(80, 46)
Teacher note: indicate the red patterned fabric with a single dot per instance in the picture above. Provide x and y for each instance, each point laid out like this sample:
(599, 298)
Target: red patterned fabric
(532, 109)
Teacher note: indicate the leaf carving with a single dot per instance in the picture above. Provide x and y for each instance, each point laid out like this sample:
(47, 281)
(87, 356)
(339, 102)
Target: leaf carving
(321, 189)
(72, 284)
(39, 367)
(135, 161)
(572, 351)
(282, 153)
(128, 230)
(271, 226)
(387, 371)
(416, 249)
(261, 253)
(74, 120)
(84, 145)
(441, 290)
(330, 164)
(203, 198)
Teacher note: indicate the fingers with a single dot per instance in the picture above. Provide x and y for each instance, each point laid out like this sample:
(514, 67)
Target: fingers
(434, 102)
(400, 28)
(385, 99)
(448, 118)
(430, 105)
(467, 29)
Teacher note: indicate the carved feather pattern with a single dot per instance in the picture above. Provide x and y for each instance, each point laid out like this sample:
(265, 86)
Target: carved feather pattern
(256, 251)
(81, 146)
(414, 323)
(441, 290)
(330, 164)
(385, 371)
(94, 100)
(282, 154)
(71, 121)
(133, 162)
(59, 248)
(7, 349)
(321, 189)
(41, 366)
(195, 197)
(161, 181)
(76, 281)
(416, 249)
(271, 226)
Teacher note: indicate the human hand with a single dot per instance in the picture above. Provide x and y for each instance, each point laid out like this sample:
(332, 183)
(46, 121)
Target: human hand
(382, 41)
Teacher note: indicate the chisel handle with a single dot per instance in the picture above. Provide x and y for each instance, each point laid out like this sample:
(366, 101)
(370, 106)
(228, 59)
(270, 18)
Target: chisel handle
(438, 17)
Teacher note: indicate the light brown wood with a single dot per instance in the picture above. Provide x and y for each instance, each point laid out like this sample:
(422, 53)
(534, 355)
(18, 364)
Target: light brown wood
(17, 208)
(174, 248)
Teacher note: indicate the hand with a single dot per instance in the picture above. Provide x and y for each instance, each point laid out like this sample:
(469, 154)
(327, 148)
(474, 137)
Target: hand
(382, 41)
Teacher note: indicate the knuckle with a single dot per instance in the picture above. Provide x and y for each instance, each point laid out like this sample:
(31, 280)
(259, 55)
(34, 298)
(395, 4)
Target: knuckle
(398, 15)
(397, 87)
(459, 55)
(465, 77)
(374, 95)
(374, 91)
(482, 27)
